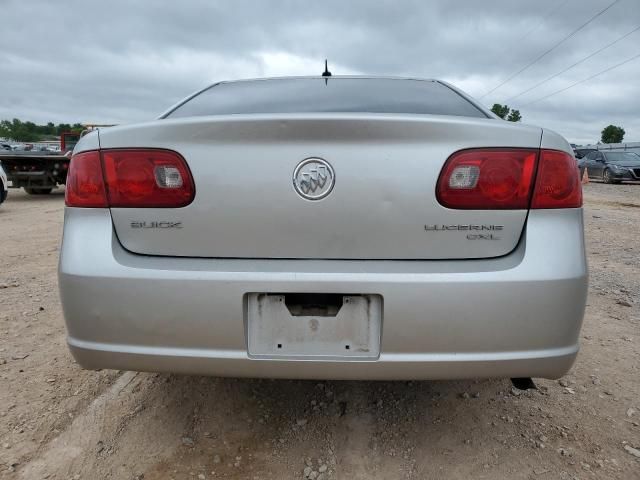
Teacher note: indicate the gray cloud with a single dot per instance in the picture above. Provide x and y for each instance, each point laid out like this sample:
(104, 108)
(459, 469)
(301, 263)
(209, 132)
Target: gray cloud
(125, 61)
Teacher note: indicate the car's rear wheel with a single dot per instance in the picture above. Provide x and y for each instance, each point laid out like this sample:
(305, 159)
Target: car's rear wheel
(606, 176)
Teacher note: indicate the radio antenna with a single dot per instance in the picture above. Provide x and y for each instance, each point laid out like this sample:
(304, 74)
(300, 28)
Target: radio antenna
(326, 72)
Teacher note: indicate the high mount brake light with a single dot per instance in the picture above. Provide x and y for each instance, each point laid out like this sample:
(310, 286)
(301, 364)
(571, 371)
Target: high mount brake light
(129, 178)
(506, 179)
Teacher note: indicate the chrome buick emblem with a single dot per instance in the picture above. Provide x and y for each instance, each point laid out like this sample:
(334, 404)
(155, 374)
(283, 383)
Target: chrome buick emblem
(313, 178)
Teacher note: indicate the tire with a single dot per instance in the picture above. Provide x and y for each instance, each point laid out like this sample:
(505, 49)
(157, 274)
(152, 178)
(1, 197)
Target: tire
(38, 191)
(606, 176)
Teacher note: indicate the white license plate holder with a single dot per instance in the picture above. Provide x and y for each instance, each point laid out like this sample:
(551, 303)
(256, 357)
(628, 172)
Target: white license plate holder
(353, 333)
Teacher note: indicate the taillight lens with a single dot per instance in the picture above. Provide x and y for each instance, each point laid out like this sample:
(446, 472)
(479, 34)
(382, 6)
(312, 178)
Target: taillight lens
(487, 179)
(558, 181)
(147, 178)
(130, 178)
(500, 178)
(85, 183)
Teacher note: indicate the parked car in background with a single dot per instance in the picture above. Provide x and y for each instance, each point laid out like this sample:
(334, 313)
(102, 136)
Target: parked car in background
(581, 152)
(4, 184)
(309, 227)
(612, 167)
(5, 146)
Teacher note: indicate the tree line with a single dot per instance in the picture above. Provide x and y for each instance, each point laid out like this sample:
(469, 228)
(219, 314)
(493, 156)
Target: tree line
(610, 134)
(30, 132)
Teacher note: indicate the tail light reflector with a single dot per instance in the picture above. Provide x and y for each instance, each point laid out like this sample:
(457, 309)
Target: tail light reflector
(130, 178)
(558, 181)
(85, 182)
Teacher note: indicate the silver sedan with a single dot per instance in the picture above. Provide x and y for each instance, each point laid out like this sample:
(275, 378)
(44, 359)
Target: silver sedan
(336, 228)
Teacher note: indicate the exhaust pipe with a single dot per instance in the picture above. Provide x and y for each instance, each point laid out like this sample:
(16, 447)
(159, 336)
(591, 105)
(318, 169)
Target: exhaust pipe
(525, 383)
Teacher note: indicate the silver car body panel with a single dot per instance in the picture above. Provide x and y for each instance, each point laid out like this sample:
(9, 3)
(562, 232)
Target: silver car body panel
(518, 315)
(386, 169)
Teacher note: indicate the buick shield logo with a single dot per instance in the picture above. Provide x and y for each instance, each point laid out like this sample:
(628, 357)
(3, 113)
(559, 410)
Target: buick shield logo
(313, 178)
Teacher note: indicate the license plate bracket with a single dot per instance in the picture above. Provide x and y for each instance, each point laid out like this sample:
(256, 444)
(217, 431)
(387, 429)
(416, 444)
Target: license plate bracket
(353, 333)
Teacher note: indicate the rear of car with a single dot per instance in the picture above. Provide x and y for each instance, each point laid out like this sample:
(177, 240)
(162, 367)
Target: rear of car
(359, 228)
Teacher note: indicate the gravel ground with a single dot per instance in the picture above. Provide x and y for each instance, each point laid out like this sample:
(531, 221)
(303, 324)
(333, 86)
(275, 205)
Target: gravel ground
(60, 422)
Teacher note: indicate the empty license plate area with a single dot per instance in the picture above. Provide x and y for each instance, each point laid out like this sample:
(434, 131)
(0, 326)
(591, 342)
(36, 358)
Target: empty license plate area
(314, 325)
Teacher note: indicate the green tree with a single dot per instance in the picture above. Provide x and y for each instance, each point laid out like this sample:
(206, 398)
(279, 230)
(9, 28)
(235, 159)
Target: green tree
(21, 131)
(500, 110)
(63, 127)
(505, 113)
(612, 134)
(514, 116)
(5, 129)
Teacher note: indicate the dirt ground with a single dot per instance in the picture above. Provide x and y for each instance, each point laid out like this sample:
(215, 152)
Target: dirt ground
(60, 422)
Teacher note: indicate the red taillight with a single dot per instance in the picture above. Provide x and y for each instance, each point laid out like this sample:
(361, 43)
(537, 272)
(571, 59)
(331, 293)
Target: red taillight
(487, 179)
(85, 183)
(557, 182)
(132, 178)
(147, 178)
(502, 178)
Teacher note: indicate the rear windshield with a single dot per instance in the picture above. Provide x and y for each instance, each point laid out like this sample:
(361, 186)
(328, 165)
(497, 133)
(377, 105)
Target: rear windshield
(332, 95)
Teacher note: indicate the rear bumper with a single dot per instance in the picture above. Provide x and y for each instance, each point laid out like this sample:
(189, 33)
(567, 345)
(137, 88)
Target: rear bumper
(550, 363)
(514, 316)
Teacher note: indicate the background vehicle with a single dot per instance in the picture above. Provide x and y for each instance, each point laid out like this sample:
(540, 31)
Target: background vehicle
(36, 172)
(39, 170)
(612, 167)
(581, 152)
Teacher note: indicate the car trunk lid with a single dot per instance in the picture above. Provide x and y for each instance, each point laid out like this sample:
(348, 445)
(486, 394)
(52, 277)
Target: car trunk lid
(382, 204)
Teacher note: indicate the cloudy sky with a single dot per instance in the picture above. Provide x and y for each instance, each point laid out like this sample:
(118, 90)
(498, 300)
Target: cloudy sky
(126, 61)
